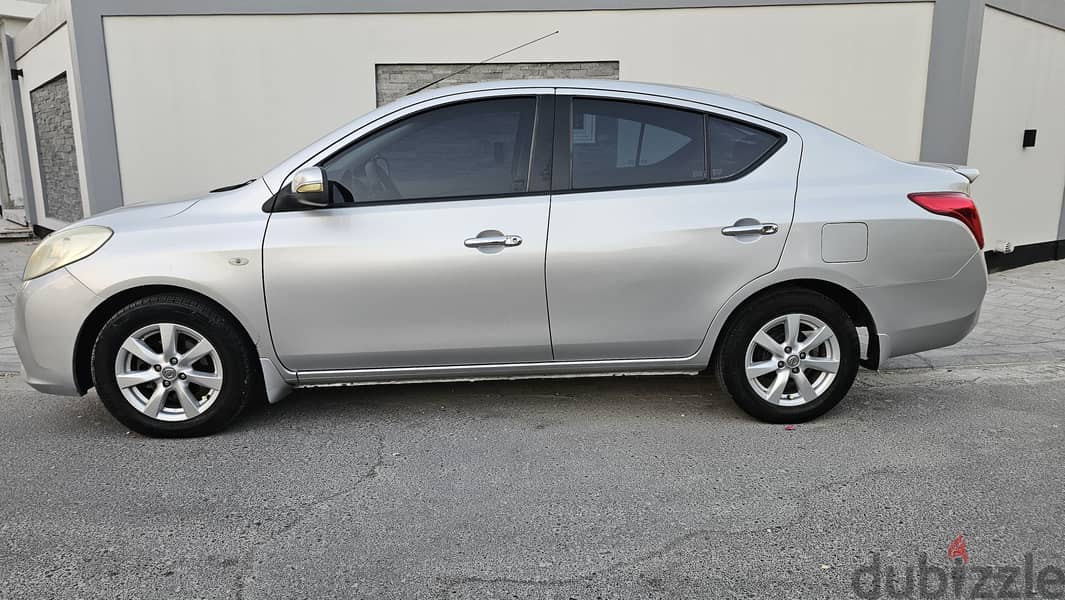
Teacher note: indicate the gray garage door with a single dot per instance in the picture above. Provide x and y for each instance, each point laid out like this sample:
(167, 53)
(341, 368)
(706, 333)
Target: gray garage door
(396, 80)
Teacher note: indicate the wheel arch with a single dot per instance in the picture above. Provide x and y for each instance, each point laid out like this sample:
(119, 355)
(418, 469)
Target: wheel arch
(848, 300)
(99, 316)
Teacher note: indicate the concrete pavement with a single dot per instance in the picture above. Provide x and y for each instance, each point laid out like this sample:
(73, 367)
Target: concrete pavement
(606, 488)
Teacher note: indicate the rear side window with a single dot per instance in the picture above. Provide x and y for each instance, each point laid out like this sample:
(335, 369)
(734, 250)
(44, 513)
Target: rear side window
(628, 144)
(736, 147)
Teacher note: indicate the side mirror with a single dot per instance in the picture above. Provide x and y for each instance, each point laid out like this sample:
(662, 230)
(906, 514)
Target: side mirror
(310, 187)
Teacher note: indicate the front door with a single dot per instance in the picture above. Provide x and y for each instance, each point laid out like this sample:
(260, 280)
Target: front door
(432, 253)
(663, 214)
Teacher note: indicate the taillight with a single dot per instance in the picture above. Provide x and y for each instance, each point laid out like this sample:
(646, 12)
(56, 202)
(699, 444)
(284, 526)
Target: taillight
(952, 204)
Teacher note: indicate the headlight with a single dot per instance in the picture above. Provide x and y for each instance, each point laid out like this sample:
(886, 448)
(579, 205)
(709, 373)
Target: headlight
(64, 247)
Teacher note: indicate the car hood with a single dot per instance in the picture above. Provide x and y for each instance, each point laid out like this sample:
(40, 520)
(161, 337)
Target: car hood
(220, 204)
(140, 214)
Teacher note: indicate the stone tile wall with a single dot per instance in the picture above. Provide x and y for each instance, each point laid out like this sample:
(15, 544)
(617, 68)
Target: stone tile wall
(397, 80)
(54, 130)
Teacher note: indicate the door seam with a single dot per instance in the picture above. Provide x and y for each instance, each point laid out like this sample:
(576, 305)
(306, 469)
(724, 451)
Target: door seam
(547, 296)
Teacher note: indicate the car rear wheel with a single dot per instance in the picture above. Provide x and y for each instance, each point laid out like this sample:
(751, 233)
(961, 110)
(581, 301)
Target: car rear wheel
(173, 366)
(789, 356)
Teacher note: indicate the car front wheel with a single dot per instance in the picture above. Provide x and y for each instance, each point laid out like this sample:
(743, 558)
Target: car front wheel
(789, 357)
(173, 366)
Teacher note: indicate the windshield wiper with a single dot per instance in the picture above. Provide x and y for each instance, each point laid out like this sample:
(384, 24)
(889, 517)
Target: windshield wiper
(235, 186)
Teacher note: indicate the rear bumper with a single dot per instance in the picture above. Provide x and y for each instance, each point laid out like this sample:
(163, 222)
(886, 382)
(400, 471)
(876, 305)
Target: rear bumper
(915, 317)
(49, 312)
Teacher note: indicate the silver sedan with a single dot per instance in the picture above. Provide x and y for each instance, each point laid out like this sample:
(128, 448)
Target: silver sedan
(515, 229)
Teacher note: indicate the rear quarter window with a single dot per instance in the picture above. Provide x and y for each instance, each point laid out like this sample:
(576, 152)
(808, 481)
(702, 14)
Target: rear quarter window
(737, 148)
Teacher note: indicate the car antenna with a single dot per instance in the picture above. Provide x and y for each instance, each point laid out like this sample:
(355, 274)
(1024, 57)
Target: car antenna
(491, 58)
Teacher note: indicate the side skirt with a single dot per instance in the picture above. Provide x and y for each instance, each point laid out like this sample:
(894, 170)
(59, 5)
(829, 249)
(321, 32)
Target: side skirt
(470, 379)
(590, 368)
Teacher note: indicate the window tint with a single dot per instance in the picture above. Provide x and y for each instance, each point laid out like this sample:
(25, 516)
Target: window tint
(472, 149)
(616, 144)
(734, 147)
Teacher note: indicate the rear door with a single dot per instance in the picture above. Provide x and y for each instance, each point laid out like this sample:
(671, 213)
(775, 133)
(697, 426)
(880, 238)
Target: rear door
(659, 213)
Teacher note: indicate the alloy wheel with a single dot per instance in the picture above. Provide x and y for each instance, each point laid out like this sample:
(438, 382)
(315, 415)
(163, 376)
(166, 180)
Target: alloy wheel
(169, 372)
(792, 359)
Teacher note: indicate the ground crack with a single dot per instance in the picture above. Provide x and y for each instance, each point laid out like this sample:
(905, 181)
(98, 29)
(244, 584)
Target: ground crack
(308, 509)
(805, 511)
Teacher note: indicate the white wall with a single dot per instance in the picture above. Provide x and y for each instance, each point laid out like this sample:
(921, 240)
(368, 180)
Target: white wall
(1020, 85)
(202, 101)
(41, 64)
(20, 10)
(13, 25)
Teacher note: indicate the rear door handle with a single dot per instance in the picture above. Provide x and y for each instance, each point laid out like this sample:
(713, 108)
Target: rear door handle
(754, 229)
(508, 241)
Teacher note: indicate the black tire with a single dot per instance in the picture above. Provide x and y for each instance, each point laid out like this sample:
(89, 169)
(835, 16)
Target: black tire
(730, 363)
(240, 370)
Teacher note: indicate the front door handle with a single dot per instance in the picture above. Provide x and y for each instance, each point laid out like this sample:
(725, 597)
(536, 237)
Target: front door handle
(508, 241)
(753, 229)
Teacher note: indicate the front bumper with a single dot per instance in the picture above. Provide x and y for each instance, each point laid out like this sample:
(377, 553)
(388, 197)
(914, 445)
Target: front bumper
(915, 317)
(49, 313)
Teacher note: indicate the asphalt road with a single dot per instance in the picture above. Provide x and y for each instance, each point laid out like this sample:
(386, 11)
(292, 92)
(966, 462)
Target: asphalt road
(604, 488)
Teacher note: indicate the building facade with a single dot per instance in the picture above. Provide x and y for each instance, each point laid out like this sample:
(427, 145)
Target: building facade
(123, 101)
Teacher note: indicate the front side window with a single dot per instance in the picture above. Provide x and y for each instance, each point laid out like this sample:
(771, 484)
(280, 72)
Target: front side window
(478, 148)
(628, 144)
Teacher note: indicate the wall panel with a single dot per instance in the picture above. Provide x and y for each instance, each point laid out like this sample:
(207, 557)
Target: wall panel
(202, 101)
(1020, 85)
